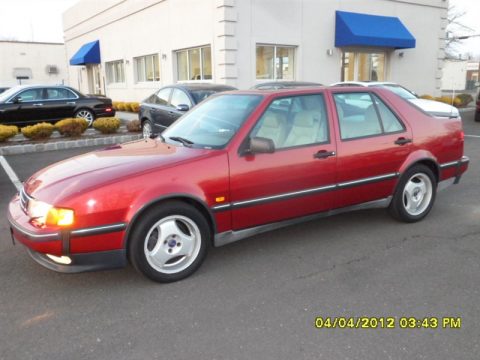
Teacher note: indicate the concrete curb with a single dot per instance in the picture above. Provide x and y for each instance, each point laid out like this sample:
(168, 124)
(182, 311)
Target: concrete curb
(67, 144)
(471, 108)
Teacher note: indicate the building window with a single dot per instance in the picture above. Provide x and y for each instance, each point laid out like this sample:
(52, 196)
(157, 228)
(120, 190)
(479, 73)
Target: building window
(194, 64)
(363, 66)
(147, 68)
(275, 62)
(115, 71)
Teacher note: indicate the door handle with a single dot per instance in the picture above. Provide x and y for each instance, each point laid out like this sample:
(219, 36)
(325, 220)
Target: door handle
(71, 103)
(38, 104)
(402, 141)
(323, 154)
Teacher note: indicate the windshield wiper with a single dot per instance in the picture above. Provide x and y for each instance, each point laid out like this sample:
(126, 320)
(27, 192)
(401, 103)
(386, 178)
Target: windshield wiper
(185, 142)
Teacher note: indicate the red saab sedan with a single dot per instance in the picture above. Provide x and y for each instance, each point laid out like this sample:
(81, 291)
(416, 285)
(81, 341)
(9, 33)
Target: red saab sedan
(239, 164)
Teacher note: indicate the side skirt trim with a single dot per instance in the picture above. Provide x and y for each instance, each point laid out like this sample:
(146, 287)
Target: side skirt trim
(228, 237)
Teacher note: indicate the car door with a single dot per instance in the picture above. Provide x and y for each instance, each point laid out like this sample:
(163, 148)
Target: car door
(25, 107)
(59, 103)
(372, 144)
(298, 177)
(161, 108)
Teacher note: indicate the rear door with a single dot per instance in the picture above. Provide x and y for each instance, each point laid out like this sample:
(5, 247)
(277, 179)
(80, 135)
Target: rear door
(372, 144)
(60, 103)
(161, 108)
(298, 178)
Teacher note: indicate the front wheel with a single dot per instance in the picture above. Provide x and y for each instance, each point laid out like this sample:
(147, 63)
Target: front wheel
(86, 114)
(415, 194)
(169, 242)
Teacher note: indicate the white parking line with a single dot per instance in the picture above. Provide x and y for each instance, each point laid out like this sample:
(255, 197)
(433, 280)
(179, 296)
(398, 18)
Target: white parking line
(473, 136)
(11, 174)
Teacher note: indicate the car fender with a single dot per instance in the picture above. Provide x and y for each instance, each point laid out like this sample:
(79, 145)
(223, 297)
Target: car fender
(417, 156)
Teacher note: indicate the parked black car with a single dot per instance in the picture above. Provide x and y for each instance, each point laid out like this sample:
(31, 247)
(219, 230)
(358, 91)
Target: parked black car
(162, 108)
(275, 85)
(26, 104)
(477, 109)
(2, 89)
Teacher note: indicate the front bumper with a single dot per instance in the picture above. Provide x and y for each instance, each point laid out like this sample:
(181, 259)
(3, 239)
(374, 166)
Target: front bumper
(92, 248)
(83, 262)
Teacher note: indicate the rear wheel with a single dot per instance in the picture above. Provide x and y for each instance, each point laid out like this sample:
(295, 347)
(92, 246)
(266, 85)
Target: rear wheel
(169, 242)
(415, 194)
(86, 114)
(147, 128)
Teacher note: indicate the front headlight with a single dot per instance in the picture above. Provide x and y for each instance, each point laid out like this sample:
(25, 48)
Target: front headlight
(38, 210)
(42, 214)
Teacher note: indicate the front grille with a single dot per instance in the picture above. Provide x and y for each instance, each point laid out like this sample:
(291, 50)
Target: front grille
(24, 199)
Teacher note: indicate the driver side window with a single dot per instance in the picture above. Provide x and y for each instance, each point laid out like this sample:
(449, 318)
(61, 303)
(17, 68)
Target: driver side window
(294, 121)
(31, 95)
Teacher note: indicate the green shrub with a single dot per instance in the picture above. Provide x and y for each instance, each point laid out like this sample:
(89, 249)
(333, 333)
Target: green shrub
(134, 126)
(71, 126)
(7, 131)
(107, 125)
(115, 105)
(38, 131)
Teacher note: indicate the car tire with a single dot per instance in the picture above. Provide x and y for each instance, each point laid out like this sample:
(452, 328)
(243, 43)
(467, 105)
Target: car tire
(415, 194)
(87, 115)
(169, 242)
(147, 128)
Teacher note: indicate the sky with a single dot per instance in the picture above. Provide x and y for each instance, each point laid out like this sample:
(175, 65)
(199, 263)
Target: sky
(41, 20)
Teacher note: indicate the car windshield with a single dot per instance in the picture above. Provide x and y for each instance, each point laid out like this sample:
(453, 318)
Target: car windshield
(8, 93)
(400, 91)
(213, 123)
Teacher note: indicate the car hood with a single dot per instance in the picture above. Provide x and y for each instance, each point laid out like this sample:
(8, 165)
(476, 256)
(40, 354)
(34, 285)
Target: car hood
(436, 108)
(82, 173)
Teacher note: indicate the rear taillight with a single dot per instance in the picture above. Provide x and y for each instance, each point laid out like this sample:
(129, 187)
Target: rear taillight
(462, 135)
(108, 109)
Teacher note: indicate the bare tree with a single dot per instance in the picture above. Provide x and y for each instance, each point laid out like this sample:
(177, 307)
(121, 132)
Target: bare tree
(455, 31)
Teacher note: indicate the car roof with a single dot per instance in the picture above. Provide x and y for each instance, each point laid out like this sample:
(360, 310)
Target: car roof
(203, 86)
(364, 83)
(286, 83)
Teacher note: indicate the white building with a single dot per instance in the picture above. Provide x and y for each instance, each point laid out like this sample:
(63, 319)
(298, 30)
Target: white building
(32, 63)
(146, 44)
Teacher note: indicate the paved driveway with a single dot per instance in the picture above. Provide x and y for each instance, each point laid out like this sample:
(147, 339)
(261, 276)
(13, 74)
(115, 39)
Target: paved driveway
(258, 298)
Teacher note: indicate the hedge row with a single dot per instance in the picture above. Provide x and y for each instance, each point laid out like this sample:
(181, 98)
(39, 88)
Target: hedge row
(461, 100)
(126, 106)
(71, 127)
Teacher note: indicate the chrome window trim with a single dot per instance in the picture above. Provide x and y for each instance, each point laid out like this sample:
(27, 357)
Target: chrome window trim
(9, 101)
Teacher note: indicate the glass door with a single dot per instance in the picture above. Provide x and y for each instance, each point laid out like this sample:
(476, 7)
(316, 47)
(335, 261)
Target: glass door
(363, 66)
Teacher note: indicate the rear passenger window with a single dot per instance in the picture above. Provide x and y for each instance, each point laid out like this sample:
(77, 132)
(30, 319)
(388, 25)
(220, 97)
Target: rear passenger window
(294, 121)
(363, 115)
(390, 122)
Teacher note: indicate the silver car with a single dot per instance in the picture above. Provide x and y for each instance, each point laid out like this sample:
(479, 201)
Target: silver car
(434, 108)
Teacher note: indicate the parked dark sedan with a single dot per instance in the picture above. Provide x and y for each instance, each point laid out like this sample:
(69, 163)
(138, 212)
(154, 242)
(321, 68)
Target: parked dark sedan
(3, 89)
(275, 85)
(26, 104)
(162, 108)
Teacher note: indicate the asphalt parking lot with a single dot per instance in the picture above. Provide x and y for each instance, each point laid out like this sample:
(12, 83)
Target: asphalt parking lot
(258, 298)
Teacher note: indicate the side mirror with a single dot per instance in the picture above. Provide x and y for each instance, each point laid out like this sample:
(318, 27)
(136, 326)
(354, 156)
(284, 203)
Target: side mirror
(260, 145)
(17, 99)
(183, 107)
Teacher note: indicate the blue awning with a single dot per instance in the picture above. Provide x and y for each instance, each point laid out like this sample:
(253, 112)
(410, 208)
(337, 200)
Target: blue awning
(88, 54)
(353, 29)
